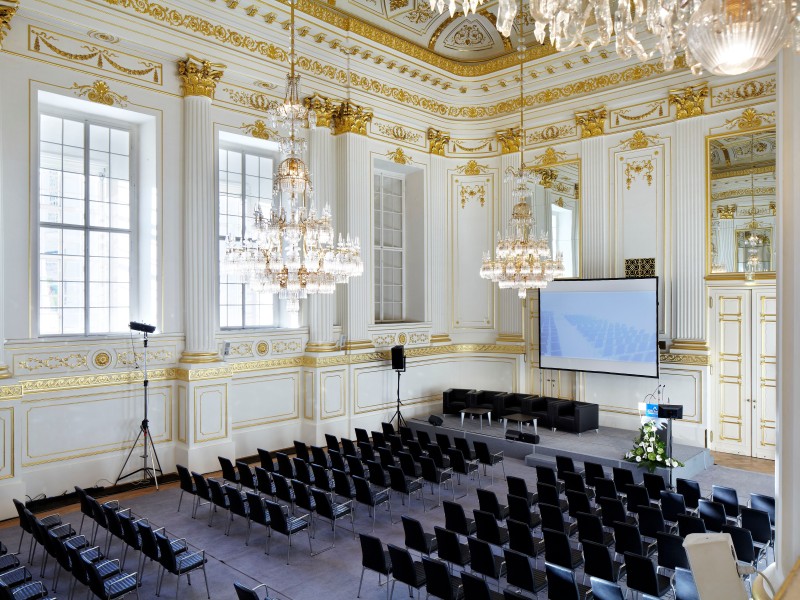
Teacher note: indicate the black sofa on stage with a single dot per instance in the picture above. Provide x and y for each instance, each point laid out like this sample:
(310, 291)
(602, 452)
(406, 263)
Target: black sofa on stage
(577, 417)
(454, 400)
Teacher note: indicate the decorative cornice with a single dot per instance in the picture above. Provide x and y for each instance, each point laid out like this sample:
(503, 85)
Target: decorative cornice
(199, 77)
(690, 101)
(472, 168)
(741, 172)
(437, 141)
(550, 157)
(100, 92)
(351, 118)
(751, 119)
(11, 392)
(8, 8)
(193, 358)
(639, 140)
(509, 140)
(323, 106)
(684, 359)
(591, 122)
(399, 156)
(201, 374)
(33, 386)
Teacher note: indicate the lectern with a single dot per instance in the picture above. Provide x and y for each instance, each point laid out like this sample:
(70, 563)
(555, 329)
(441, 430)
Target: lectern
(670, 412)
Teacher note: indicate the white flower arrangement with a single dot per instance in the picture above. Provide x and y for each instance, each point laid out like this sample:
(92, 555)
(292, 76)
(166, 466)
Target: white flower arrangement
(649, 451)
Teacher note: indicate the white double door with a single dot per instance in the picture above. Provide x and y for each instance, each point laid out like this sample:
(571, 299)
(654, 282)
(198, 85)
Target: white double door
(744, 342)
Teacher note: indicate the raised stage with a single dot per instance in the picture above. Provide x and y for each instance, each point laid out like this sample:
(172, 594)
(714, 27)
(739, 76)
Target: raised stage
(606, 447)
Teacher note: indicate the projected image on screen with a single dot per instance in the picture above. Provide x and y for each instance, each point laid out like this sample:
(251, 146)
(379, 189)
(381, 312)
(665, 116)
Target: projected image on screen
(588, 328)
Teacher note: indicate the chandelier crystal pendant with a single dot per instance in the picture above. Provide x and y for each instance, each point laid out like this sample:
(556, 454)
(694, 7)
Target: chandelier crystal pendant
(522, 259)
(293, 250)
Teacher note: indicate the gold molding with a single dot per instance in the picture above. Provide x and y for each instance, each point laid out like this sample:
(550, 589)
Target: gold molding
(437, 141)
(472, 168)
(102, 359)
(510, 338)
(199, 357)
(5, 373)
(100, 93)
(323, 106)
(33, 386)
(399, 156)
(258, 130)
(358, 345)
(549, 157)
(399, 133)
(640, 267)
(750, 89)
(742, 172)
(684, 359)
(509, 140)
(438, 338)
(351, 118)
(689, 101)
(639, 140)
(199, 77)
(321, 347)
(591, 122)
(696, 345)
(11, 392)
(203, 374)
(7, 12)
(750, 119)
(75, 360)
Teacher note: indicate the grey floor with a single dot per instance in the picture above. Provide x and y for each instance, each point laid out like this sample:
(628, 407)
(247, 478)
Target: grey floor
(333, 575)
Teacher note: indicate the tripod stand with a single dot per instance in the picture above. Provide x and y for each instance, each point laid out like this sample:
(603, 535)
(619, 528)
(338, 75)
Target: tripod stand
(400, 420)
(148, 445)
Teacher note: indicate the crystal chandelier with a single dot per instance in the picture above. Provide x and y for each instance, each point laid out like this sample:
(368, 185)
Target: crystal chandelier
(522, 260)
(293, 251)
(726, 37)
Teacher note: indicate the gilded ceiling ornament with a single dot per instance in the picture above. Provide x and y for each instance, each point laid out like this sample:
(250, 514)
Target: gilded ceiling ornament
(199, 77)
(472, 168)
(690, 101)
(750, 119)
(351, 118)
(747, 90)
(258, 130)
(437, 141)
(550, 156)
(323, 106)
(7, 12)
(399, 156)
(509, 140)
(99, 92)
(639, 140)
(592, 122)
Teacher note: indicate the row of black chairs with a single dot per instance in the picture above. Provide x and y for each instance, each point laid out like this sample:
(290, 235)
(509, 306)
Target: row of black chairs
(16, 581)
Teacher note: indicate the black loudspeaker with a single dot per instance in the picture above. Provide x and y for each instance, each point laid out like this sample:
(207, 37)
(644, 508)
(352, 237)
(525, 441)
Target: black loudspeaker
(435, 420)
(398, 358)
(670, 411)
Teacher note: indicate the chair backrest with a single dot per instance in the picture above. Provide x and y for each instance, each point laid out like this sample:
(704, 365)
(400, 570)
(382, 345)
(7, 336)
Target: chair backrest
(443, 441)
(475, 588)
(166, 553)
(356, 466)
(331, 442)
(185, 477)
(482, 558)
(341, 484)
(236, 503)
(765, 503)
(593, 472)
(284, 465)
(283, 490)
(94, 579)
(564, 464)
(258, 513)
(651, 521)
(561, 584)
(367, 451)
(517, 486)
(130, 531)
(406, 434)
(547, 493)
(302, 471)
(605, 488)
(606, 590)
(454, 517)
(578, 502)
(487, 501)
(373, 556)
(627, 539)
(552, 517)
(318, 457)
(301, 451)
(228, 471)
(361, 435)
(463, 445)
(597, 561)
(641, 574)
(612, 511)
(265, 456)
(690, 490)
(457, 461)
(437, 578)
(672, 505)
(376, 474)
(387, 458)
(379, 440)
(364, 494)
(98, 514)
(149, 544)
(487, 528)
(637, 497)
(395, 443)
(690, 524)
(246, 477)
(556, 548)
(757, 522)
(590, 528)
(398, 480)
(685, 587)
(728, 497)
(671, 553)
(573, 482)
(264, 481)
(435, 452)
(415, 449)
(519, 509)
(388, 429)
(349, 448)
(423, 438)
(323, 503)
(546, 475)
(77, 564)
(428, 469)
(321, 478)
(337, 461)
(112, 518)
(201, 485)
(482, 452)
(277, 519)
(622, 477)
(713, 514)
(449, 548)
(218, 495)
(402, 565)
(519, 570)
(244, 593)
(654, 484)
(742, 543)
(520, 538)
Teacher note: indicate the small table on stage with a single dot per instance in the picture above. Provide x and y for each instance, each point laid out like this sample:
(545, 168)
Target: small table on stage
(520, 419)
(477, 411)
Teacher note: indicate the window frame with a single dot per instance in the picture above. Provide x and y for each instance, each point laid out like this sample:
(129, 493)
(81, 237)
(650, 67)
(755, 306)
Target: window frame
(88, 118)
(244, 150)
(381, 173)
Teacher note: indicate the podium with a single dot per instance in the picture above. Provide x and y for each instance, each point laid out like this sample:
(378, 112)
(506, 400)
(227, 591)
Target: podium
(670, 412)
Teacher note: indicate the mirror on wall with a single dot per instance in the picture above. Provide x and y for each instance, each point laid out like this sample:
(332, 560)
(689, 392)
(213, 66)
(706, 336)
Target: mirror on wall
(557, 206)
(741, 201)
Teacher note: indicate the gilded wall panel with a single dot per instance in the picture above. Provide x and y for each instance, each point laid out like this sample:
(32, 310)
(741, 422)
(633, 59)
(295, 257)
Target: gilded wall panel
(263, 399)
(333, 394)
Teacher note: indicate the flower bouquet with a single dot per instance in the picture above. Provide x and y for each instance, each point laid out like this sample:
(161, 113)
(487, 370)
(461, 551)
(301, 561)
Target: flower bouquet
(649, 451)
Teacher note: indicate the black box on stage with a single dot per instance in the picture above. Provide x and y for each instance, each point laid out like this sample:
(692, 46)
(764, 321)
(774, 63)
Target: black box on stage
(516, 436)
(398, 358)
(670, 411)
(435, 420)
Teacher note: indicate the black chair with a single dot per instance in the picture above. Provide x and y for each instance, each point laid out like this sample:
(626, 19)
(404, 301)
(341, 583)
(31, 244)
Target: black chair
(319, 458)
(598, 562)
(361, 435)
(651, 522)
(264, 482)
(179, 563)
(548, 475)
(463, 445)
(405, 569)
(409, 465)
(246, 593)
(61, 554)
(671, 553)
(580, 503)
(439, 582)
(282, 523)
(450, 549)
(247, 478)
(654, 484)
(150, 548)
(489, 459)
(130, 535)
(26, 524)
(416, 538)
(689, 524)
(303, 471)
(379, 440)
(388, 429)
(520, 510)
(405, 485)
(328, 509)
(219, 498)
(672, 505)
(728, 498)
(203, 495)
(685, 587)
(590, 529)
(443, 441)
(743, 544)
(456, 520)
(713, 514)
(265, 457)
(487, 500)
(342, 485)
(690, 490)
(637, 498)
(386, 458)
(356, 467)
(642, 576)
(395, 443)
(377, 475)
(553, 518)
(521, 574)
(301, 451)
(370, 498)
(484, 562)
(283, 490)
(565, 464)
(758, 524)
(613, 511)
(257, 513)
(406, 434)
(115, 586)
(461, 466)
(518, 487)
(338, 461)
(476, 588)
(374, 558)
(229, 473)
(622, 477)
(605, 488)
(573, 482)
(415, 450)
(765, 503)
(521, 539)
(285, 466)
(628, 539)
(114, 524)
(423, 438)
(558, 551)
(187, 485)
(332, 442)
(349, 448)
(561, 584)
(436, 453)
(488, 530)
(100, 519)
(434, 475)
(593, 472)
(548, 494)
(78, 559)
(86, 507)
(605, 590)
(323, 479)
(304, 500)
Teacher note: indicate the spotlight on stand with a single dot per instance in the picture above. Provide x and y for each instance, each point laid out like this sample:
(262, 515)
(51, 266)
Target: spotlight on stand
(143, 327)
(399, 365)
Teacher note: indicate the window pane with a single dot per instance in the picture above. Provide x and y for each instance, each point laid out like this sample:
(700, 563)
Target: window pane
(120, 142)
(73, 133)
(50, 129)
(98, 138)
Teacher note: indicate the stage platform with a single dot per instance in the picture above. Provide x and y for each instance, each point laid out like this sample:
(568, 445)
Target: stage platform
(605, 447)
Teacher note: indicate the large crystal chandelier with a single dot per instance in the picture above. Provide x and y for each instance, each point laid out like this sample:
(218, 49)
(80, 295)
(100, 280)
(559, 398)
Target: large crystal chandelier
(293, 251)
(522, 260)
(726, 37)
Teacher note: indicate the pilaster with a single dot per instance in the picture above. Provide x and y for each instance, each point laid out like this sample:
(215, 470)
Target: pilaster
(439, 259)
(4, 371)
(595, 210)
(509, 317)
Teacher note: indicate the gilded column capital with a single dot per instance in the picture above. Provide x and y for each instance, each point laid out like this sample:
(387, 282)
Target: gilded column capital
(350, 118)
(592, 122)
(323, 106)
(689, 101)
(437, 141)
(509, 140)
(199, 77)
(8, 8)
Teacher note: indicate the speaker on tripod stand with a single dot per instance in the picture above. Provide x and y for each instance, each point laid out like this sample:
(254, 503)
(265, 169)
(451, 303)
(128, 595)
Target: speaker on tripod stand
(399, 365)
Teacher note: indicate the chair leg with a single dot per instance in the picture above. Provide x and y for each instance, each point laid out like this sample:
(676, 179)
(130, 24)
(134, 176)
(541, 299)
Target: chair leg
(21, 535)
(361, 581)
(180, 499)
(206, 578)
